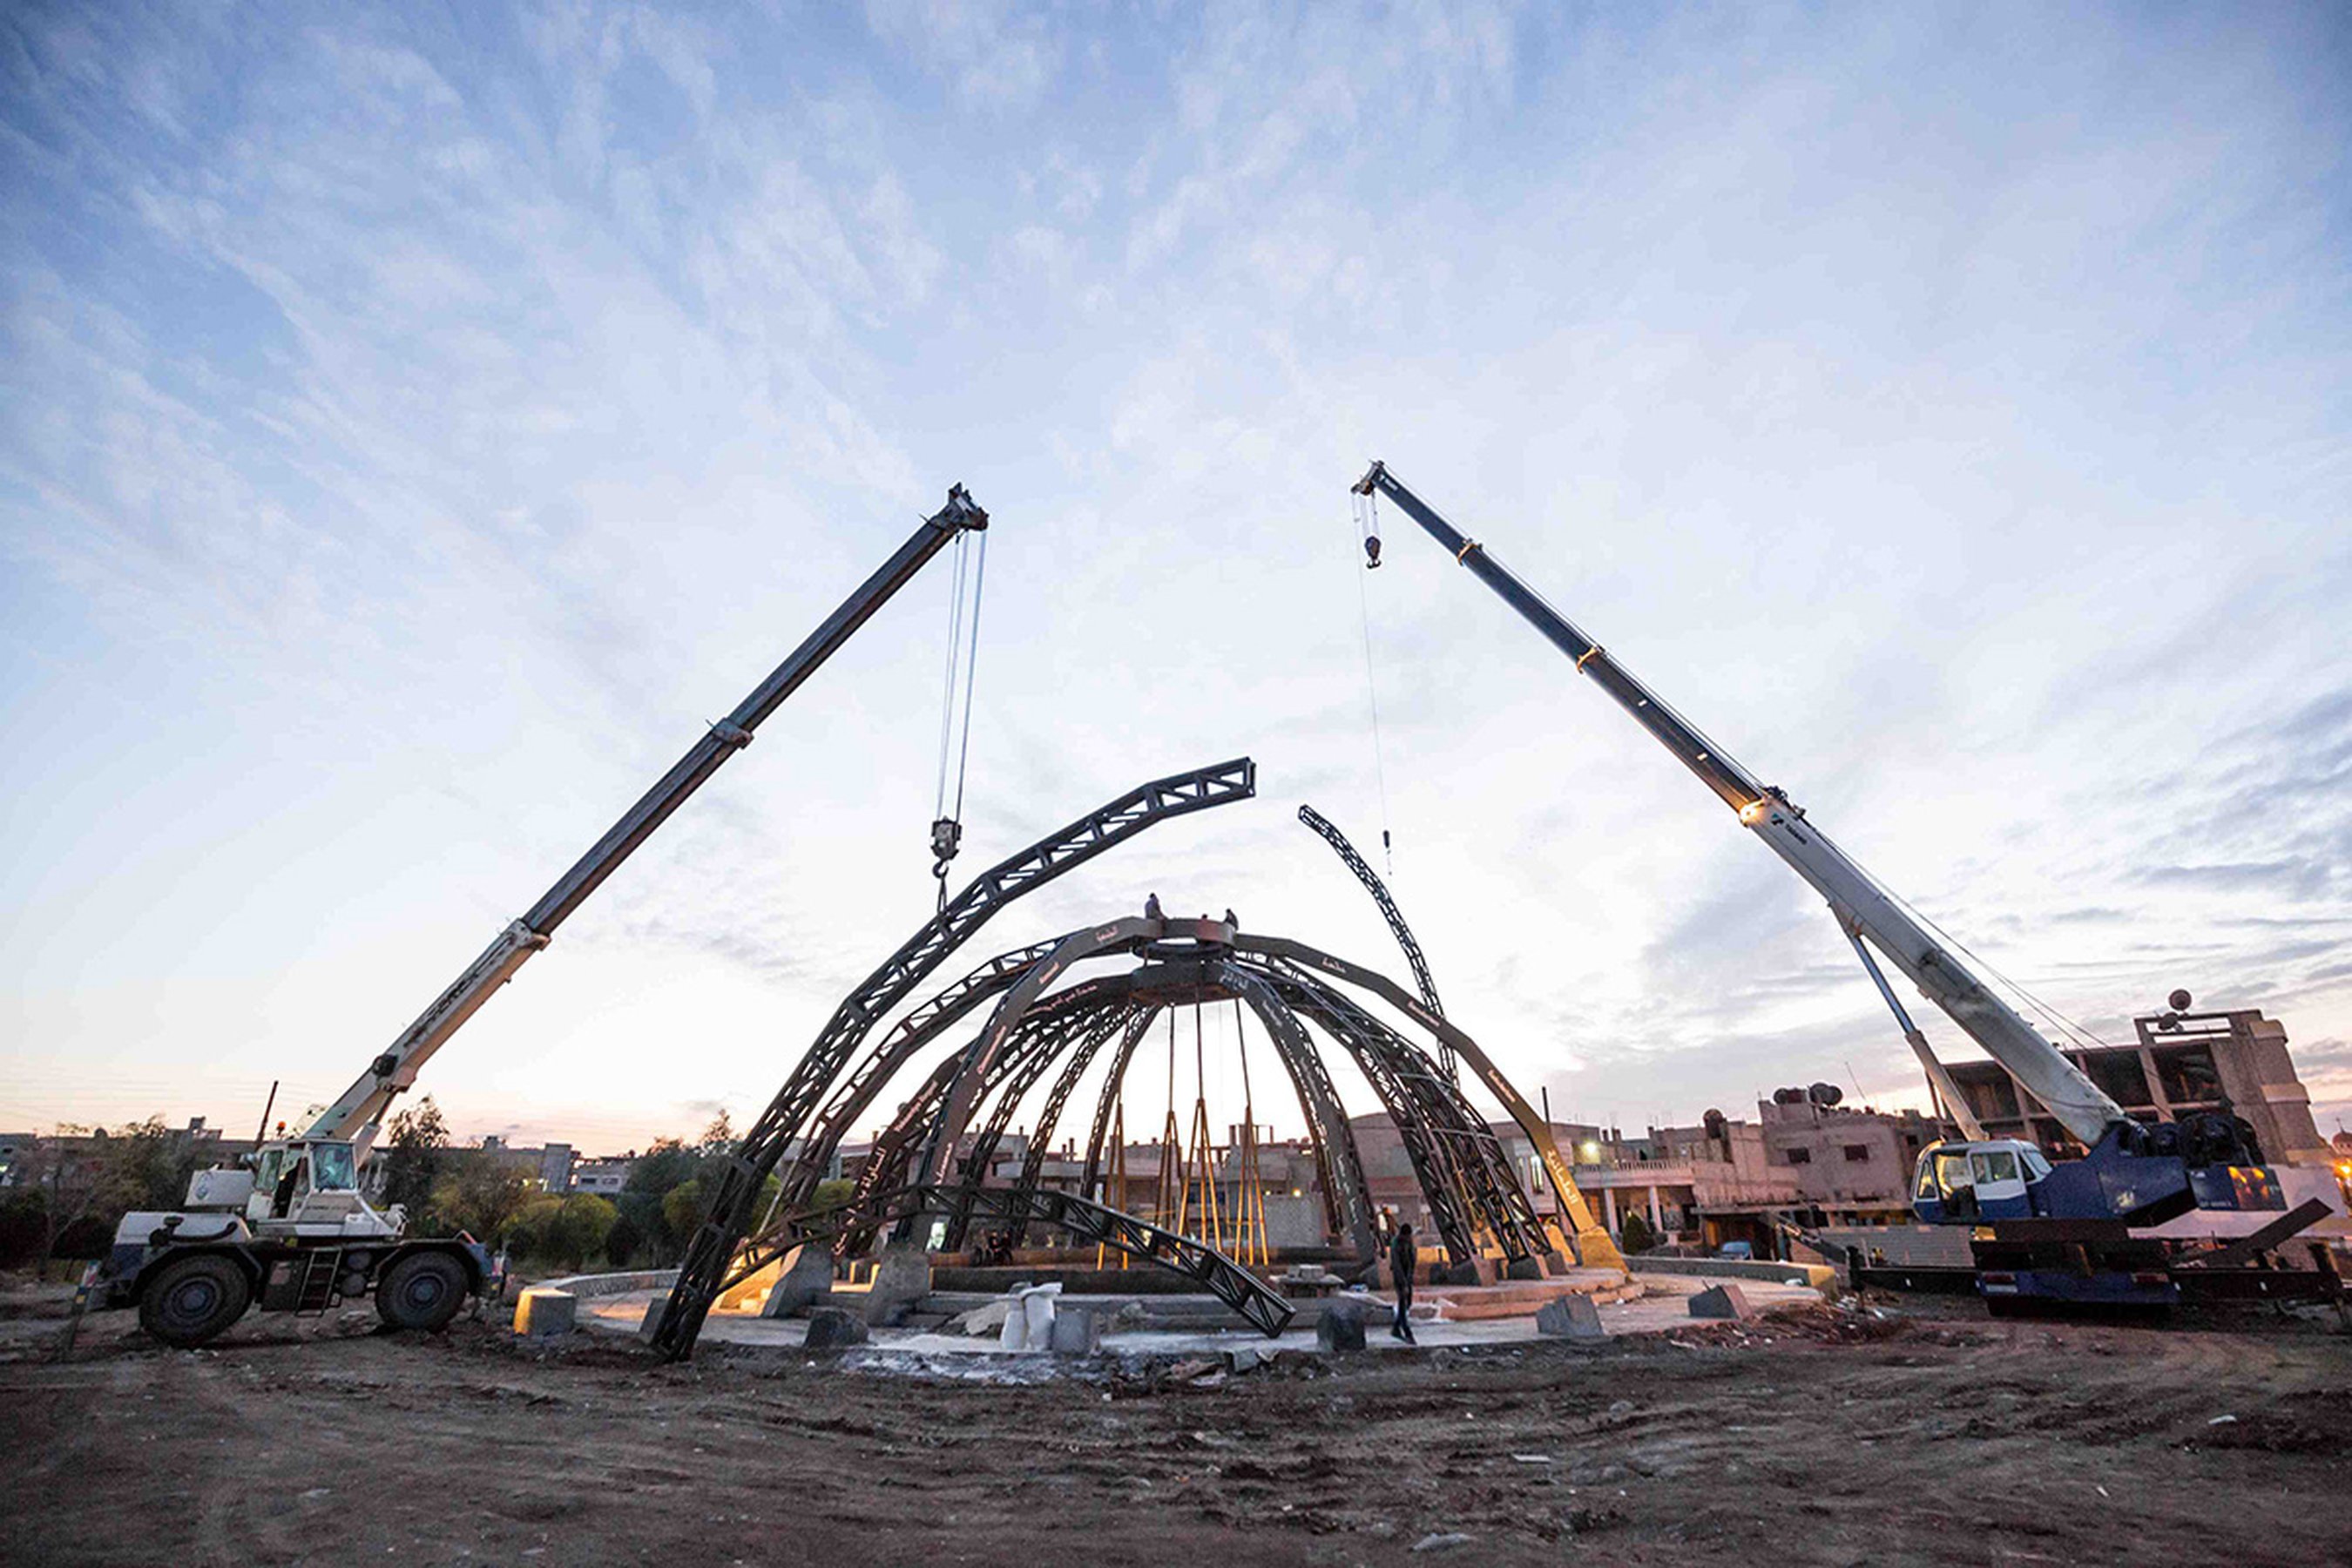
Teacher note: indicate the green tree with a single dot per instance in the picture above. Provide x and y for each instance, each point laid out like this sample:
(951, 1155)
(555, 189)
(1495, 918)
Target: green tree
(416, 1145)
(624, 1241)
(683, 1210)
(562, 1232)
(662, 1167)
(1635, 1236)
(831, 1194)
(481, 1196)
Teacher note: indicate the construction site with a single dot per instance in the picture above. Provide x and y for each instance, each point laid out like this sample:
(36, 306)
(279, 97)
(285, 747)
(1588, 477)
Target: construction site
(1127, 1190)
(1238, 1330)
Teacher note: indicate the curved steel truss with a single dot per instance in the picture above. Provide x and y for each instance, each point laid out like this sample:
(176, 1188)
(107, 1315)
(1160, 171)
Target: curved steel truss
(1043, 1026)
(787, 1120)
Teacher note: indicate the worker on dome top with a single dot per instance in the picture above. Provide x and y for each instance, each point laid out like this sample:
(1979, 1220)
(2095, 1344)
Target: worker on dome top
(1151, 908)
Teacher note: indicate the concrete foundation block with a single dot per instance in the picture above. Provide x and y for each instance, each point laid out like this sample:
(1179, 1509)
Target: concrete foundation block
(831, 1328)
(1569, 1318)
(1524, 1268)
(542, 1313)
(1724, 1301)
(804, 1278)
(902, 1278)
(1341, 1326)
(1075, 1333)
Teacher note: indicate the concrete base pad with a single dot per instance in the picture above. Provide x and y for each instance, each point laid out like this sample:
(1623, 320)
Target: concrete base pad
(1211, 1330)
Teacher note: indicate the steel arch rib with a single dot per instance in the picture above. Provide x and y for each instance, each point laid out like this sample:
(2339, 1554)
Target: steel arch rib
(1593, 1246)
(703, 1271)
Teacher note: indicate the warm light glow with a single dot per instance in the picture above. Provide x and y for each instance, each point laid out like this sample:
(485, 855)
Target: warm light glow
(1753, 812)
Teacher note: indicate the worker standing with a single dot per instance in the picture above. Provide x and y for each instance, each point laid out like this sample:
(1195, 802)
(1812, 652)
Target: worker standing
(1403, 1256)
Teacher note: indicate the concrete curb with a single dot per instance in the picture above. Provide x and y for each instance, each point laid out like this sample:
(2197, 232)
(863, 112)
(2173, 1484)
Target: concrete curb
(1820, 1276)
(612, 1284)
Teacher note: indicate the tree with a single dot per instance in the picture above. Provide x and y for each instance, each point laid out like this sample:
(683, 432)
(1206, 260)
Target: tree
(624, 1241)
(683, 1210)
(24, 1226)
(89, 1179)
(563, 1232)
(1635, 1236)
(663, 1166)
(482, 1195)
(415, 1149)
(718, 1138)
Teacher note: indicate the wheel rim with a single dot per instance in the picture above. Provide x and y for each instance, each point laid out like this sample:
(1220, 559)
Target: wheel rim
(193, 1300)
(423, 1291)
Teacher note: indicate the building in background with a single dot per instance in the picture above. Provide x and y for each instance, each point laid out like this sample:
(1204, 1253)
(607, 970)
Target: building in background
(603, 1176)
(549, 1166)
(2181, 1062)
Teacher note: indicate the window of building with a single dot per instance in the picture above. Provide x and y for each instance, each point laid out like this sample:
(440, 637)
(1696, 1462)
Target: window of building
(1798, 1156)
(1857, 1154)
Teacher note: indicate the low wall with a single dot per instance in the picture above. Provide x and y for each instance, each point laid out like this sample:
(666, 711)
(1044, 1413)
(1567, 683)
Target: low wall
(1820, 1276)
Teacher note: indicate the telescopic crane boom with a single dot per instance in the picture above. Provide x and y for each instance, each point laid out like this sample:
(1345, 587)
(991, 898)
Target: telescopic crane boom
(1863, 909)
(354, 1116)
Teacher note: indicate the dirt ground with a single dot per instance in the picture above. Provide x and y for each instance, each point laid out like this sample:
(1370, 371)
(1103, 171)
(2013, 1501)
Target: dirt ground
(1933, 1436)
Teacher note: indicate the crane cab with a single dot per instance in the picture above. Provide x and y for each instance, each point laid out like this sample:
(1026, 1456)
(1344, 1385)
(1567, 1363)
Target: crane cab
(1973, 1182)
(310, 1187)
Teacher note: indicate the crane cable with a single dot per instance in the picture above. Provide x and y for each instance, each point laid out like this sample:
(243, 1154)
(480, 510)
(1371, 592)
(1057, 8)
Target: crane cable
(955, 739)
(1366, 528)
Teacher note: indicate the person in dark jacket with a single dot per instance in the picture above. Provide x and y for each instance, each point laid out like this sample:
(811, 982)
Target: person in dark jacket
(1403, 1256)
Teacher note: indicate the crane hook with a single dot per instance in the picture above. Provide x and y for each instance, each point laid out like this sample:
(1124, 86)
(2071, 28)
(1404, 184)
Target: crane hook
(1371, 552)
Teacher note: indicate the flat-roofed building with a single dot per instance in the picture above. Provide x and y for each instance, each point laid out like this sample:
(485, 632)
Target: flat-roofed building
(2180, 1063)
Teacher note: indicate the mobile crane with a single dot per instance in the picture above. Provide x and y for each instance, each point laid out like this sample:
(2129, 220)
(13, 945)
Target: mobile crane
(290, 1229)
(2053, 1232)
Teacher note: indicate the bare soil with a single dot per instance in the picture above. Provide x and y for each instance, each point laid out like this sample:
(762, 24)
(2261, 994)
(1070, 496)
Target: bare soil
(1933, 1436)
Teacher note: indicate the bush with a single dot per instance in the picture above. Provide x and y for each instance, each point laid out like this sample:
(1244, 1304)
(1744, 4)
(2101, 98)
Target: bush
(562, 1232)
(23, 1229)
(1635, 1236)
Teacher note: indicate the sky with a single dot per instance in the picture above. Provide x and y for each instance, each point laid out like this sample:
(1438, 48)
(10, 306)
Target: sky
(417, 422)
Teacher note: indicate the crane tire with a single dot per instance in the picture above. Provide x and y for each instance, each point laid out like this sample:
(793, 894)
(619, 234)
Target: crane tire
(422, 1291)
(191, 1299)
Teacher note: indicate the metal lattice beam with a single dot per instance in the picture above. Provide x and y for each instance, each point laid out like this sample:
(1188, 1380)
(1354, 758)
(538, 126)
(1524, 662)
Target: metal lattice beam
(1259, 1303)
(702, 1273)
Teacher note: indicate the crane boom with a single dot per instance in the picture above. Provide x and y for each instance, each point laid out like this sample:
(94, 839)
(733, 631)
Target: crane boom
(356, 1112)
(1862, 907)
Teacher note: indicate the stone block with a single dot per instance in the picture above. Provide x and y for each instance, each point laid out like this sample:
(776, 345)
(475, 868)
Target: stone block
(1341, 1326)
(1724, 1301)
(1525, 1268)
(901, 1278)
(804, 1279)
(1075, 1333)
(543, 1313)
(831, 1328)
(1569, 1318)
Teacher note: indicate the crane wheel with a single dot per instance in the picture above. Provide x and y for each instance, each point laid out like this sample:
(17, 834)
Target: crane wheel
(422, 1291)
(192, 1300)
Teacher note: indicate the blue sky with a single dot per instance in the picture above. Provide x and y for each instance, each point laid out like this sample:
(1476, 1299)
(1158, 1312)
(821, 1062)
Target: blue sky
(416, 422)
